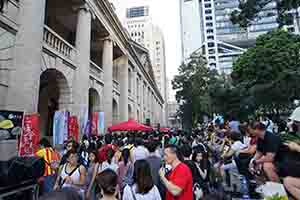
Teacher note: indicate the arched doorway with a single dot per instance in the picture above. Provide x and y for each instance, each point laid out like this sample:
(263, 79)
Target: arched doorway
(54, 94)
(94, 101)
(115, 112)
(130, 114)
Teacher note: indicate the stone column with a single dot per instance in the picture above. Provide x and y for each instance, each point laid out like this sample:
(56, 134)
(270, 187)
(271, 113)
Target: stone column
(124, 76)
(134, 95)
(83, 45)
(23, 93)
(107, 63)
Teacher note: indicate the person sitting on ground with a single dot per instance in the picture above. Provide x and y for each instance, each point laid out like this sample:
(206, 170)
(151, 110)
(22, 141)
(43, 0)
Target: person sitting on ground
(71, 175)
(179, 182)
(107, 181)
(143, 187)
(243, 159)
(267, 155)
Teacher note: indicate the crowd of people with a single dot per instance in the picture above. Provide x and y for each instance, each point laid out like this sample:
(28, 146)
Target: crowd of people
(171, 166)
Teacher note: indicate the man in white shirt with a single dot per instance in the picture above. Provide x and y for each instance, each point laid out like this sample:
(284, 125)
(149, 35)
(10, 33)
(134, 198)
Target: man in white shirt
(140, 152)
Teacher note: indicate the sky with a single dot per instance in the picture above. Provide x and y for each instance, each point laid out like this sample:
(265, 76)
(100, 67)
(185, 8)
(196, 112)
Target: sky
(165, 14)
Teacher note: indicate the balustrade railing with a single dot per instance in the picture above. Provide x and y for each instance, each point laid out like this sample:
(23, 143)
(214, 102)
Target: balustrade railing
(96, 70)
(56, 42)
(116, 85)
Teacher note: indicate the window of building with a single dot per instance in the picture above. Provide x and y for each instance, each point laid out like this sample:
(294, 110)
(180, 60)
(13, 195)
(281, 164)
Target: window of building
(209, 11)
(208, 5)
(211, 51)
(210, 44)
(211, 37)
(209, 31)
(212, 58)
(209, 24)
(208, 17)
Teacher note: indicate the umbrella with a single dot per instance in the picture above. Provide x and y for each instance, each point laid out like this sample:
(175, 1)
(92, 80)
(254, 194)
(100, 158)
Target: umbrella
(130, 125)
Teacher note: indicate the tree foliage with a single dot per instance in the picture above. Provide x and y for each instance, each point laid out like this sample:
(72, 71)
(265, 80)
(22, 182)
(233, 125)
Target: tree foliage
(249, 10)
(202, 91)
(269, 72)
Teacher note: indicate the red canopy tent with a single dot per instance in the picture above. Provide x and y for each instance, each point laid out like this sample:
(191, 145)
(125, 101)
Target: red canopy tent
(165, 130)
(130, 125)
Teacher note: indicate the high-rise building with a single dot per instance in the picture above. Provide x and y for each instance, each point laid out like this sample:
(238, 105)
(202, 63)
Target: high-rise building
(221, 41)
(141, 29)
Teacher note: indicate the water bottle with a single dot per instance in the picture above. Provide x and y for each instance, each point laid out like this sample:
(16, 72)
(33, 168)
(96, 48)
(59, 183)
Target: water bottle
(244, 188)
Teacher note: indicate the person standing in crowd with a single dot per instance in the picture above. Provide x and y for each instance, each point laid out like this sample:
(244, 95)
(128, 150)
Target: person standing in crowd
(124, 165)
(154, 162)
(93, 161)
(179, 183)
(107, 181)
(109, 163)
(200, 175)
(51, 158)
(140, 152)
(84, 151)
(70, 145)
(234, 124)
(267, 154)
(143, 187)
(71, 175)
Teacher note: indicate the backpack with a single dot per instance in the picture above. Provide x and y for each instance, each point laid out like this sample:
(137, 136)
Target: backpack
(198, 192)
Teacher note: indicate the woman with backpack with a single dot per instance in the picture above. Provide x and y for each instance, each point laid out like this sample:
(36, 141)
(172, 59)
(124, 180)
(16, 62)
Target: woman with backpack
(71, 175)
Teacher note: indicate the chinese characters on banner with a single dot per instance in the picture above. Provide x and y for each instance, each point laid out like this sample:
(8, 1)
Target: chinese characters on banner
(30, 136)
(73, 128)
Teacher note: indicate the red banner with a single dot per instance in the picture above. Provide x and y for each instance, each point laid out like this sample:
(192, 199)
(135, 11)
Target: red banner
(94, 127)
(30, 137)
(73, 128)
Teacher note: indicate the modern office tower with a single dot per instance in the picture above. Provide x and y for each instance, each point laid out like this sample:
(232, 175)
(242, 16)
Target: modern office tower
(221, 42)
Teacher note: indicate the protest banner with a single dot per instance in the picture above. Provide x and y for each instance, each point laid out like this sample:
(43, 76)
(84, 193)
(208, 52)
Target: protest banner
(30, 137)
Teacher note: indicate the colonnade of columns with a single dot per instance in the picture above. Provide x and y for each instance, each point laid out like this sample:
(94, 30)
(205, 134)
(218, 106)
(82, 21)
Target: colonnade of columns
(24, 91)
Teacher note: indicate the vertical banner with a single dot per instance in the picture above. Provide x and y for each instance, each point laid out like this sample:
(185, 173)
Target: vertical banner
(10, 124)
(30, 136)
(84, 120)
(74, 128)
(101, 123)
(60, 127)
(66, 127)
(94, 124)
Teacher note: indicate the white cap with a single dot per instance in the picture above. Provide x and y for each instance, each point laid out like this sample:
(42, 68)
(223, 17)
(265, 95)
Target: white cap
(295, 116)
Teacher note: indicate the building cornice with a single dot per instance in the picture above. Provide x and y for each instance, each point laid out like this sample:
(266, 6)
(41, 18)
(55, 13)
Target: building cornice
(124, 38)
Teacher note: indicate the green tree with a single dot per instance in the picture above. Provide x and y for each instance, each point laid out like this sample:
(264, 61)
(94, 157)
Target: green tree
(269, 72)
(249, 10)
(191, 85)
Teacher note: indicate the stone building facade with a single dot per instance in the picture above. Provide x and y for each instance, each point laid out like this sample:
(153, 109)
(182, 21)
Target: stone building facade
(73, 55)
